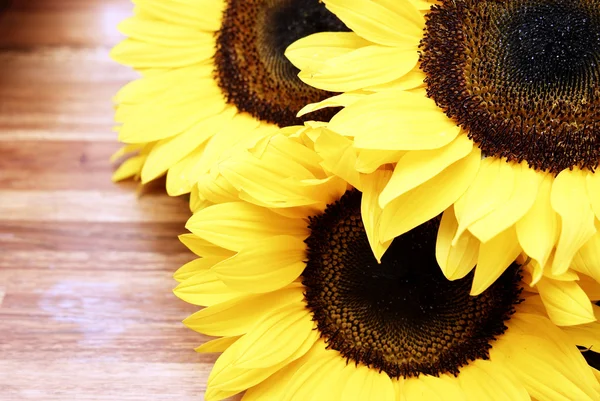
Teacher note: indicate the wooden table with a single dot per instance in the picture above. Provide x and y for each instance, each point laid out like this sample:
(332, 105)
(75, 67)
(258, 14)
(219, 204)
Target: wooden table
(86, 308)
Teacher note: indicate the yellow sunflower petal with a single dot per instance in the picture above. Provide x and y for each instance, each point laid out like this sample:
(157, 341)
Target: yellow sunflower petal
(197, 202)
(330, 389)
(275, 338)
(525, 190)
(266, 181)
(312, 51)
(399, 387)
(321, 192)
(129, 168)
(538, 229)
(363, 67)
(318, 362)
(282, 177)
(395, 120)
(429, 388)
(400, 26)
(593, 188)
(586, 335)
(537, 272)
(148, 87)
(203, 248)
(410, 80)
(200, 14)
(205, 288)
(343, 100)
(371, 212)
(213, 187)
(544, 360)
(234, 132)
(163, 33)
(217, 345)
(196, 266)
(293, 195)
(566, 303)
(259, 143)
(485, 380)
(227, 377)
(239, 315)
(236, 225)
(169, 151)
(144, 88)
(139, 55)
(289, 146)
(369, 160)
(491, 188)
(339, 157)
(569, 275)
(366, 384)
(276, 385)
(456, 261)
(590, 286)
(587, 260)
(429, 199)
(170, 114)
(122, 113)
(179, 181)
(420, 4)
(268, 264)
(494, 257)
(416, 167)
(569, 198)
(216, 394)
(124, 150)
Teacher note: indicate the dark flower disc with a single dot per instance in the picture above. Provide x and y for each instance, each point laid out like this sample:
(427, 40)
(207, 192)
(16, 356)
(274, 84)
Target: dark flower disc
(522, 77)
(250, 66)
(401, 316)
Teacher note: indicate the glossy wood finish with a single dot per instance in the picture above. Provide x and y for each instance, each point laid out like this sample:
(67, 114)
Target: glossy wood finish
(86, 308)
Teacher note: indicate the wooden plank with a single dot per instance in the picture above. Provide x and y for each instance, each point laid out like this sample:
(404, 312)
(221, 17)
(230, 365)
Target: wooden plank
(35, 23)
(59, 94)
(31, 165)
(102, 380)
(86, 304)
(104, 261)
(89, 206)
(72, 237)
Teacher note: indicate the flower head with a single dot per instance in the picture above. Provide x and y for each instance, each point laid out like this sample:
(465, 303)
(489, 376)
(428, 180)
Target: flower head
(487, 110)
(213, 77)
(305, 310)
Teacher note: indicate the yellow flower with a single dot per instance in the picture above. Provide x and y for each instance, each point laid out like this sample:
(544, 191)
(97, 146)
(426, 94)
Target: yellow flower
(304, 311)
(213, 76)
(488, 110)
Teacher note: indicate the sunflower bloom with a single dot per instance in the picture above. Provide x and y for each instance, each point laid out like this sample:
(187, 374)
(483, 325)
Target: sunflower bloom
(213, 76)
(303, 309)
(488, 110)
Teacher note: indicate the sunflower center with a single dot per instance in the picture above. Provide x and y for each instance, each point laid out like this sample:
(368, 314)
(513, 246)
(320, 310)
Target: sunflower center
(551, 44)
(401, 316)
(522, 77)
(250, 66)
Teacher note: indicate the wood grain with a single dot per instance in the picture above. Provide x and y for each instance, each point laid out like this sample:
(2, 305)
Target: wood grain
(86, 308)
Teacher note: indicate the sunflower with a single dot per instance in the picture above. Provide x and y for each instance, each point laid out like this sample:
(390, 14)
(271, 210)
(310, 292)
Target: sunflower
(304, 310)
(489, 110)
(213, 76)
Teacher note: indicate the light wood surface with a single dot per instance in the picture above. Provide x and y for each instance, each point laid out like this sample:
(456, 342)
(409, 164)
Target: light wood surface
(86, 308)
